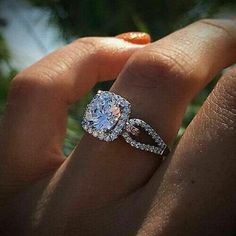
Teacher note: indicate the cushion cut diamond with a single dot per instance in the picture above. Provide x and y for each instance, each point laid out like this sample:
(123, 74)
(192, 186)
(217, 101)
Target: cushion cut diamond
(106, 115)
(103, 113)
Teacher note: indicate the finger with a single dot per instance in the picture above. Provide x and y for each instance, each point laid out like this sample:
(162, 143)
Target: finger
(35, 121)
(159, 81)
(201, 174)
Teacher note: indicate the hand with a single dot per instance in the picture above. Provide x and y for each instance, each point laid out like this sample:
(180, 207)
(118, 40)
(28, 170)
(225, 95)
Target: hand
(112, 188)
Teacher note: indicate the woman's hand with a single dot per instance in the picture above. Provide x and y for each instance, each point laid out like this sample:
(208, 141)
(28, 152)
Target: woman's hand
(112, 188)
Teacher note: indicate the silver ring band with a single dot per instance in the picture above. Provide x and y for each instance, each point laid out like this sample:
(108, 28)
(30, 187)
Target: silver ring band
(107, 116)
(160, 148)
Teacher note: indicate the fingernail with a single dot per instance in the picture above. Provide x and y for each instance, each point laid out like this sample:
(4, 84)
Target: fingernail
(135, 37)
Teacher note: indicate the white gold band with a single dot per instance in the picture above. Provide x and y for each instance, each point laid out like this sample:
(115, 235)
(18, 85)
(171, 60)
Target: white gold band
(160, 147)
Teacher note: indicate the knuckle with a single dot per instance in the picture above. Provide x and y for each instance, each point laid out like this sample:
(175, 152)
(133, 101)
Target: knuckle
(93, 49)
(92, 46)
(27, 86)
(86, 45)
(101, 46)
(151, 68)
(47, 75)
(226, 26)
(227, 86)
(223, 100)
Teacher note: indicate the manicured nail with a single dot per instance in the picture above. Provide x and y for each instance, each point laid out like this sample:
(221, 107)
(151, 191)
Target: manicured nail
(135, 37)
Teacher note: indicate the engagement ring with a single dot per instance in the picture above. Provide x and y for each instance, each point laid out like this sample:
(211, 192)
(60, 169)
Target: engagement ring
(108, 116)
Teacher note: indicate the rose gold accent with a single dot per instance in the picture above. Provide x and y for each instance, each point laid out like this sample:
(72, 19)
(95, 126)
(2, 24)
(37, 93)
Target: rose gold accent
(132, 129)
(116, 111)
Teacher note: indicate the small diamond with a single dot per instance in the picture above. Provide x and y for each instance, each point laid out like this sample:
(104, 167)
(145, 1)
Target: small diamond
(142, 146)
(101, 136)
(85, 126)
(132, 143)
(107, 139)
(137, 145)
(152, 149)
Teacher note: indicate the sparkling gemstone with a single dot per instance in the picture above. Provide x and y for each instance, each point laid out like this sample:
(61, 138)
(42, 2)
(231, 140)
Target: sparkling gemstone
(101, 136)
(103, 113)
(106, 116)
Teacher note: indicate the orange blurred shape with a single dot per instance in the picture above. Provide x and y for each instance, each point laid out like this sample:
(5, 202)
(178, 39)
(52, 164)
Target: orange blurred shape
(135, 37)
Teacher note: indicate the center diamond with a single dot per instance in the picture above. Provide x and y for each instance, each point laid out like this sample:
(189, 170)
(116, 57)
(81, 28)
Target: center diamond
(103, 113)
(106, 115)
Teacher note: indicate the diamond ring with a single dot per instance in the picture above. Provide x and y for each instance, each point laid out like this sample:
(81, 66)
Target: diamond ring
(108, 116)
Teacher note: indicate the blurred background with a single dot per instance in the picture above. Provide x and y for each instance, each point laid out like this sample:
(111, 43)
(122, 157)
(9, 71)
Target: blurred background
(30, 29)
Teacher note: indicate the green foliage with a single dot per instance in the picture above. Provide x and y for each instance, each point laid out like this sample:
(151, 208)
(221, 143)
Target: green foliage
(6, 73)
(4, 53)
(5, 79)
(105, 17)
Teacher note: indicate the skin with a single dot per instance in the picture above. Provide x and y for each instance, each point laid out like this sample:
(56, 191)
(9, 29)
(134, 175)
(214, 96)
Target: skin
(111, 188)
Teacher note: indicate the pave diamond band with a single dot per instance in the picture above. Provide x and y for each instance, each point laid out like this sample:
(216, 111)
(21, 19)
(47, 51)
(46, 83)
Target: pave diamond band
(160, 147)
(108, 116)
